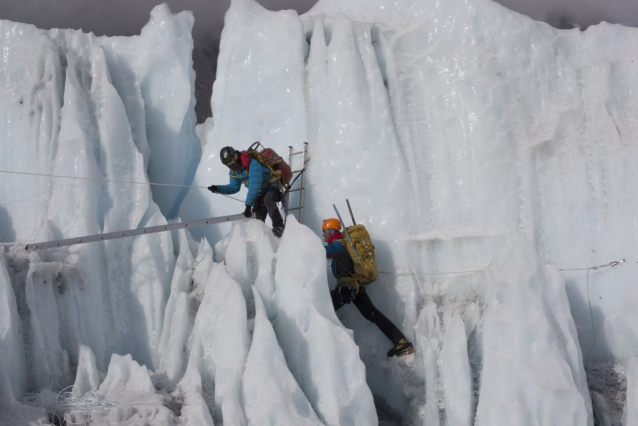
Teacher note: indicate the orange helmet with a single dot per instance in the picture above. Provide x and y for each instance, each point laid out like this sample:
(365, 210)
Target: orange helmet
(331, 223)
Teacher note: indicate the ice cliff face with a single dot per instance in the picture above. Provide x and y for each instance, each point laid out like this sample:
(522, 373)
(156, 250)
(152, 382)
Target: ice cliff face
(467, 138)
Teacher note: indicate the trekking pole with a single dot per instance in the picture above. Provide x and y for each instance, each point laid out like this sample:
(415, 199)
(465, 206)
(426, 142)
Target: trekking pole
(348, 235)
(351, 215)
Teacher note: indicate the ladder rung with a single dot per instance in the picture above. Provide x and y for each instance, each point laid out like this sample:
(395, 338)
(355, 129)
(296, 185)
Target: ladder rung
(298, 171)
(294, 208)
(294, 190)
(296, 153)
(132, 232)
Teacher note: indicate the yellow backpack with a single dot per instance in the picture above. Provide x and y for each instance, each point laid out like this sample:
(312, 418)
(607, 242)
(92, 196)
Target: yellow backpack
(361, 250)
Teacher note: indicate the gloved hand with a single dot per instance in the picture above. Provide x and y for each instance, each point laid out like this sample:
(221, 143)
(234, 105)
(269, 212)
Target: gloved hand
(248, 212)
(213, 189)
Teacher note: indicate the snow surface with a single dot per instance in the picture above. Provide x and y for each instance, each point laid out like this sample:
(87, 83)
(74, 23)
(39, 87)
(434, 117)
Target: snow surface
(485, 152)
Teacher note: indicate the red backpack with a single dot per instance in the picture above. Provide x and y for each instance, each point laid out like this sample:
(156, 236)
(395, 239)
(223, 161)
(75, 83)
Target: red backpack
(279, 169)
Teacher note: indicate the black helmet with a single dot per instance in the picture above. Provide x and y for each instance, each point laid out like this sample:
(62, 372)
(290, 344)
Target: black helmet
(228, 155)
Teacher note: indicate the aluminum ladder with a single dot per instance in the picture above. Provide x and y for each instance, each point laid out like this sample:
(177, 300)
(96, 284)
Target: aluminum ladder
(131, 232)
(302, 186)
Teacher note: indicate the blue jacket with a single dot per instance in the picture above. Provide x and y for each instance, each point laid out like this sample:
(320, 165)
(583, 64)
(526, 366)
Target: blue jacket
(253, 178)
(341, 262)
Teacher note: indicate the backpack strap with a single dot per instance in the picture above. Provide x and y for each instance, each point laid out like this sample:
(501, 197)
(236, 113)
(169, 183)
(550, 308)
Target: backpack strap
(350, 281)
(245, 181)
(275, 175)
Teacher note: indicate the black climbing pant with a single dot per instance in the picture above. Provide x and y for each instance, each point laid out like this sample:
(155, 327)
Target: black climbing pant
(266, 203)
(342, 295)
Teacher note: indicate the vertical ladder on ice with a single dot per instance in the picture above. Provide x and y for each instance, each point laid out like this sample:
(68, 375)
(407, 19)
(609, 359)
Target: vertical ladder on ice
(301, 189)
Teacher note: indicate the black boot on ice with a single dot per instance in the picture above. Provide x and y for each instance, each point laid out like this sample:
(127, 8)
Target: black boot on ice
(402, 348)
(278, 231)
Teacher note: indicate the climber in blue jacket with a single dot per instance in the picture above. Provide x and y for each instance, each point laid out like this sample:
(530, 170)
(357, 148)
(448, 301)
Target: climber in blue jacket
(262, 197)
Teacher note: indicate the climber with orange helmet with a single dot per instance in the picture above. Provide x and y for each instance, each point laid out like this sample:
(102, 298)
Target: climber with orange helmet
(342, 266)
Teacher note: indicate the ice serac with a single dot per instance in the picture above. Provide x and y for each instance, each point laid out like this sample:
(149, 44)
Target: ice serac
(271, 394)
(219, 349)
(248, 252)
(428, 345)
(74, 110)
(455, 372)
(532, 365)
(13, 369)
(187, 290)
(126, 383)
(29, 123)
(319, 351)
(258, 95)
(87, 378)
(156, 67)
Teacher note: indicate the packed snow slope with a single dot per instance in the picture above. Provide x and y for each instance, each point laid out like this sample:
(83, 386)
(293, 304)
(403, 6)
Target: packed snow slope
(483, 151)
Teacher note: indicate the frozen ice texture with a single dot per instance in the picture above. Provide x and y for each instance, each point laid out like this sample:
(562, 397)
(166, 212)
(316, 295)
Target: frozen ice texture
(456, 129)
(631, 405)
(532, 364)
(320, 352)
(271, 393)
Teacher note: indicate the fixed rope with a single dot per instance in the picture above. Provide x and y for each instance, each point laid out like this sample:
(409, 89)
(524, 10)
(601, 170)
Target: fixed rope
(132, 182)
(591, 313)
(588, 269)
(610, 264)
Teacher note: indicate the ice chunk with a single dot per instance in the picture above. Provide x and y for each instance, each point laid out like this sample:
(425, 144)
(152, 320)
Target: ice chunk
(13, 369)
(271, 394)
(455, 372)
(177, 315)
(126, 376)
(319, 351)
(532, 365)
(428, 345)
(49, 361)
(87, 377)
(631, 403)
(130, 397)
(187, 292)
(195, 410)
(248, 252)
(600, 409)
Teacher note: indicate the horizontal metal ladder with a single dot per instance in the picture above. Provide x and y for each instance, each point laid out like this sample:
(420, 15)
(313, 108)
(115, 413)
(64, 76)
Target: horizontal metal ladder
(132, 232)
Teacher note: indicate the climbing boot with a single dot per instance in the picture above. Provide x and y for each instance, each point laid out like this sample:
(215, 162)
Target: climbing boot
(278, 231)
(402, 348)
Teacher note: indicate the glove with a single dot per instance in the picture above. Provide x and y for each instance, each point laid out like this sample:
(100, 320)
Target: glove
(213, 189)
(248, 212)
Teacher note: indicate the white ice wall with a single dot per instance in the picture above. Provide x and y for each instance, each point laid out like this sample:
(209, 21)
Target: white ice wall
(452, 128)
(513, 127)
(74, 97)
(256, 98)
(80, 106)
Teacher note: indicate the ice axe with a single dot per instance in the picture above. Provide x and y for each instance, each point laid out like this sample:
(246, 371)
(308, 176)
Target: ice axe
(346, 231)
